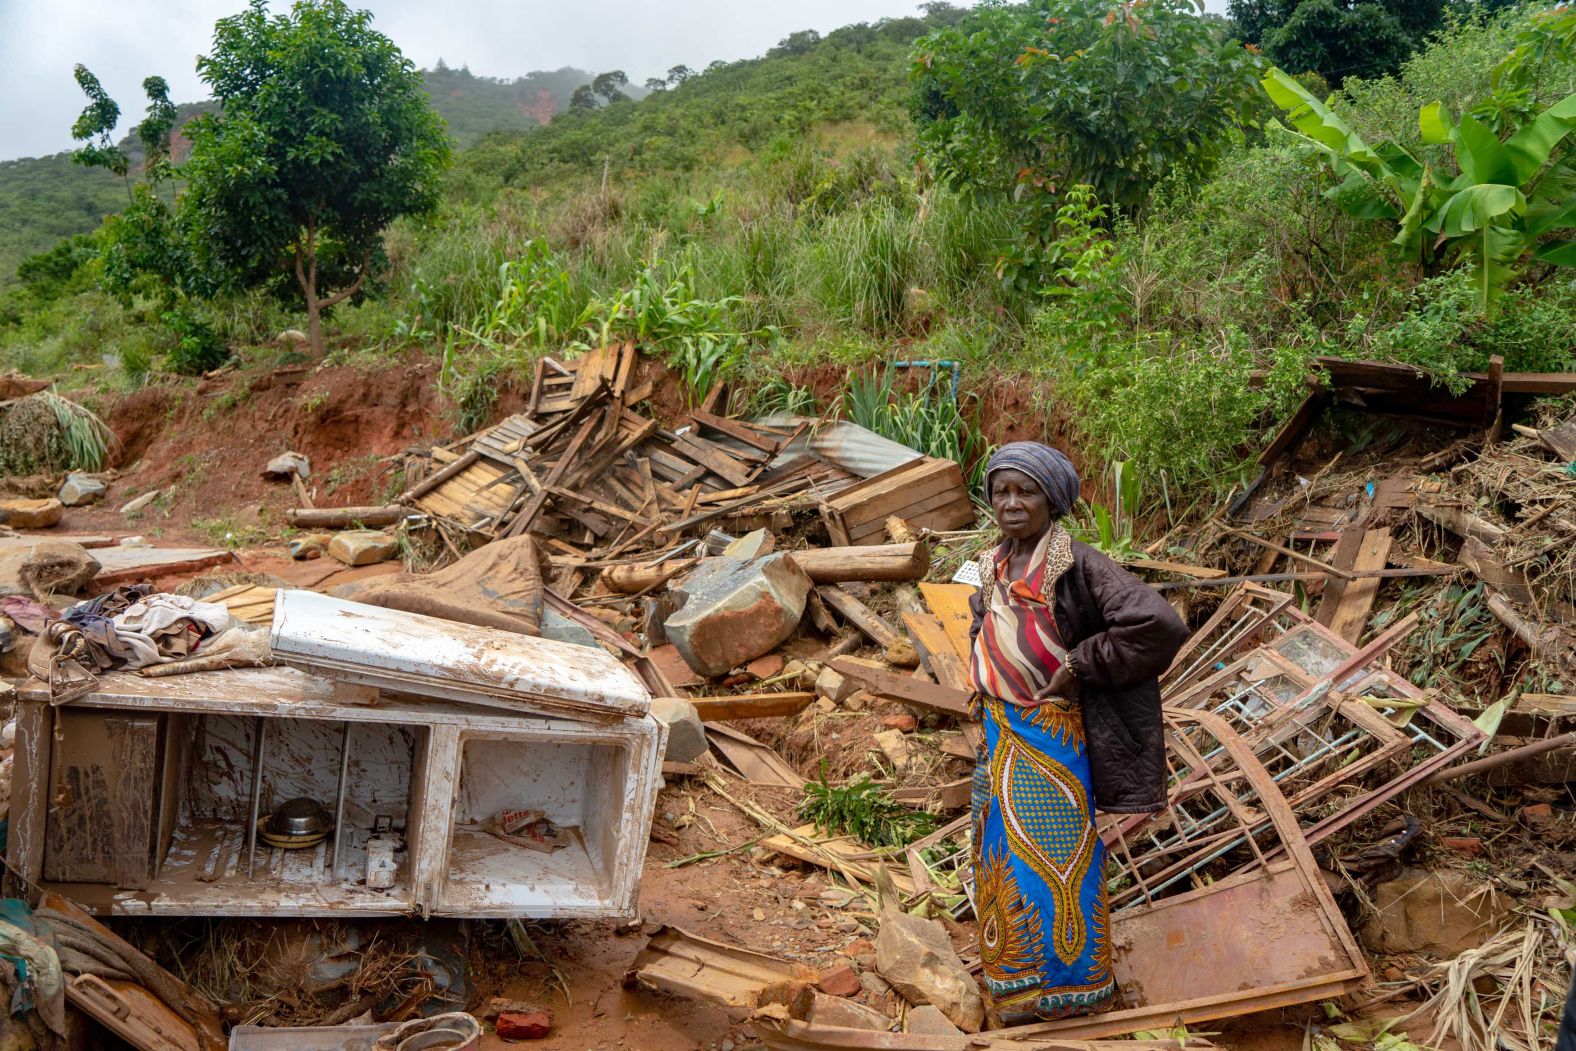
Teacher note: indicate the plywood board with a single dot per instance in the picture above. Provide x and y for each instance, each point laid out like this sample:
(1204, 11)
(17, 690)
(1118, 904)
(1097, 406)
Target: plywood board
(1352, 613)
(950, 604)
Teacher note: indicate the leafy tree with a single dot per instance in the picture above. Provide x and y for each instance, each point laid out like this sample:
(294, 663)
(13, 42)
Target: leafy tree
(583, 98)
(798, 43)
(156, 130)
(607, 86)
(656, 84)
(95, 128)
(679, 74)
(1022, 100)
(1337, 38)
(324, 137)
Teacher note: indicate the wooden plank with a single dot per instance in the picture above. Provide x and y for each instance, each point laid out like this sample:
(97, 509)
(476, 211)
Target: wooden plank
(757, 762)
(1291, 433)
(1343, 557)
(859, 615)
(750, 706)
(935, 649)
(929, 696)
(1351, 616)
(739, 431)
(1561, 440)
(1551, 704)
(950, 602)
(941, 511)
(714, 459)
(1181, 569)
(1538, 382)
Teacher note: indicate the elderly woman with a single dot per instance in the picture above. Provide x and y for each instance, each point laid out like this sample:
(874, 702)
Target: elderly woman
(1067, 651)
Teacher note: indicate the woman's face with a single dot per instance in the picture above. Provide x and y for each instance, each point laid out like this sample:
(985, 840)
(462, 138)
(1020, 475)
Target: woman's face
(1022, 509)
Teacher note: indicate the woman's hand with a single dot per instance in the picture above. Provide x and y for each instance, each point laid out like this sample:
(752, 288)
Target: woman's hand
(1063, 684)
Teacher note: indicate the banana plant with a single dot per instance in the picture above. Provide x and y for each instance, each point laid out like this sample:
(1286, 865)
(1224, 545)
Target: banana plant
(1507, 205)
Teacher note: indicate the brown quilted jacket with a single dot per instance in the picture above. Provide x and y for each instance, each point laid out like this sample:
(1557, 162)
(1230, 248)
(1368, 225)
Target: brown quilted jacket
(1120, 636)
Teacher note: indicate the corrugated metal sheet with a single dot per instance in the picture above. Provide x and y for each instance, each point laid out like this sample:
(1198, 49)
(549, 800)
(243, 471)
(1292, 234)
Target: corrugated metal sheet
(848, 445)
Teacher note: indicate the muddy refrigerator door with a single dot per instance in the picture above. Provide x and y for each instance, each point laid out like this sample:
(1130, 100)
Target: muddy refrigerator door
(427, 657)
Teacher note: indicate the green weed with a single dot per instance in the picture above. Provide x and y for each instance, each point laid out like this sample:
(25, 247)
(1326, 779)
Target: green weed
(865, 811)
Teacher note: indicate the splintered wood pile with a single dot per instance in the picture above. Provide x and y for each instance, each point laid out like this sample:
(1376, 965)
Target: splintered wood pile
(604, 485)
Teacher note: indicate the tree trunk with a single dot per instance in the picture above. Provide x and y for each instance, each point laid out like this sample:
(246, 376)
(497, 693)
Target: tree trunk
(314, 322)
(306, 276)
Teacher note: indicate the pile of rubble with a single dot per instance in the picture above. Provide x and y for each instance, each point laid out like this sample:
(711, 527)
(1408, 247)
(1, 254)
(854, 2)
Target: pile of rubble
(789, 598)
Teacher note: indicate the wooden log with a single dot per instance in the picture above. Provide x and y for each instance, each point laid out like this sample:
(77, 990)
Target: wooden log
(632, 580)
(1462, 522)
(372, 517)
(859, 615)
(750, 706)
(1544, 642)
(881, 562)
(1478, 766)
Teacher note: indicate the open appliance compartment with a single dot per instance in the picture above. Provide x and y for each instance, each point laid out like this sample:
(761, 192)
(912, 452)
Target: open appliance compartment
(171, 784)
(582, 786)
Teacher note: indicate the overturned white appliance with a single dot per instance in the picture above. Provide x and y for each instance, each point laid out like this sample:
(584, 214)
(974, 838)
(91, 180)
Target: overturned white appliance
(460, 771)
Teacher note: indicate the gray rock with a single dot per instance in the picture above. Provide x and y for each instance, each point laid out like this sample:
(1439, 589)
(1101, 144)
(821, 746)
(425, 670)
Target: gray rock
(751, 545)
(735, 611)
(135, 504)
(560, 628)
(363, 547)
(309, 545)
(916, 956)
(847, 1014)
(80, 489)
(929, 1021)
(286, 464)
(686, 733)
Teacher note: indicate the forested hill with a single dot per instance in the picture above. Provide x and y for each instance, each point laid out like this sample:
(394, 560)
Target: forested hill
(45, 199)
(856, 75)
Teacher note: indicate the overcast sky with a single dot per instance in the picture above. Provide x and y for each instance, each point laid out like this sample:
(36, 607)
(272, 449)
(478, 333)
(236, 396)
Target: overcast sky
(123, 41)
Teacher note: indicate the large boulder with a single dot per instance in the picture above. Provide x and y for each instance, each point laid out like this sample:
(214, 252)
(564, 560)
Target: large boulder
(80, 489)
(363, 547)
(734, 611)
(49, 567)
(31, 514)
(917, 958)
(686, 733)
(1439, 913)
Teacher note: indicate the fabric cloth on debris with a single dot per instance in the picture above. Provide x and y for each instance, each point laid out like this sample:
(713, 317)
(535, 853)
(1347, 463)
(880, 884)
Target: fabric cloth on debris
(495, 586)
(163, 627)
(29, 947)
(30, 616)
(238, 646)
(1050, 469)
(1040, 895)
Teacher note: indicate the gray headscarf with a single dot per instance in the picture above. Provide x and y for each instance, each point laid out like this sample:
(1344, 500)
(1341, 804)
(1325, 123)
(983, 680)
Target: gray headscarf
(1050, 468)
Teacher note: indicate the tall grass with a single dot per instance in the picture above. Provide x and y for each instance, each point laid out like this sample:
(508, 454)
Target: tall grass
(862, 265)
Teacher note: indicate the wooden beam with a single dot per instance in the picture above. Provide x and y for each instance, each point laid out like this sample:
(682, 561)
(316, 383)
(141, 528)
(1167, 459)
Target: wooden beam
(750, 706)
(904, 688)
(859, 615)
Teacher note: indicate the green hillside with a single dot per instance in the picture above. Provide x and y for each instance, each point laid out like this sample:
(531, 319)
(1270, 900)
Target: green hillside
(45, 199)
